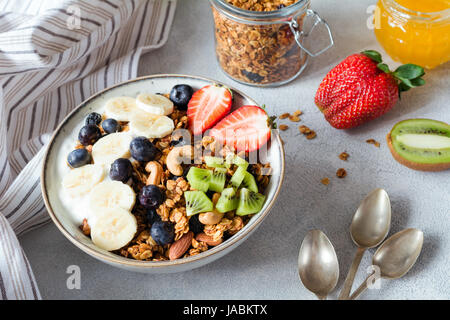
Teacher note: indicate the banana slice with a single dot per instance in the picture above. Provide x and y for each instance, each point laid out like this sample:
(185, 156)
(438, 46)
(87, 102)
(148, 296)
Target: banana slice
(111, 194)
(151, 126)
(154, 104)
(121, 108)
(111, 147)
(113, 228)
(82, 180)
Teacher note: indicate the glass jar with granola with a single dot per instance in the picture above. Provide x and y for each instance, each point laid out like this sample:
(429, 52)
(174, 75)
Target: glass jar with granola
(267, 42)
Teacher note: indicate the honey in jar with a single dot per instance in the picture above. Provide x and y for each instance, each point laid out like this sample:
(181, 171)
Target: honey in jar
(414, 31)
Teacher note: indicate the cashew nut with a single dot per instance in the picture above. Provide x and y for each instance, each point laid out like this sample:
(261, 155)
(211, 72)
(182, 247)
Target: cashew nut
(156, 171)
(211, 217)
(176, 157)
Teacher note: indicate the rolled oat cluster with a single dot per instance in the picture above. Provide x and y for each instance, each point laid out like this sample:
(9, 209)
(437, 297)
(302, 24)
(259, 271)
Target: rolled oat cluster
(257, 53)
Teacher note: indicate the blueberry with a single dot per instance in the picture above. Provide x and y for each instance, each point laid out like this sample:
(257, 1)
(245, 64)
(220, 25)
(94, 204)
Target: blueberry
(142, 149)
(180, 142)
(93, 118)
(78, 158)
(89, 134)
(162, 232)
(121, 170)
(152, 216)
(180, 95)
(195, 225)
(110, 126)
(151, 196)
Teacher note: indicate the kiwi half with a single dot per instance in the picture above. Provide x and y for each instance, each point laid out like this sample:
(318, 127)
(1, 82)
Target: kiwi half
(421, 144)
(196, 202)
(228, 200)
(249, 202)
(199, 178)
(217, 179)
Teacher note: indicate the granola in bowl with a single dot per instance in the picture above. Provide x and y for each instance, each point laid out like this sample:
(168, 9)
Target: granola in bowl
(155, 185)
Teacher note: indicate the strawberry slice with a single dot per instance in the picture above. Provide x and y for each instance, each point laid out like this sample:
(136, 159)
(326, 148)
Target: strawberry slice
(246, 129)
(207, 106)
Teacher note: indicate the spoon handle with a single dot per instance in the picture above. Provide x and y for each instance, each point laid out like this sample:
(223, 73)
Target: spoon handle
(345, 292)
(360, 289)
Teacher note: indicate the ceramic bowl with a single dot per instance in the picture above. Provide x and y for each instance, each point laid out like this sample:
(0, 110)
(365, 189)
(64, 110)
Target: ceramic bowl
(63, 140)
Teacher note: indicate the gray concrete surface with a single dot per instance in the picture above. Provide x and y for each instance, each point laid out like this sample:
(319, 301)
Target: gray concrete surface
(265, 266)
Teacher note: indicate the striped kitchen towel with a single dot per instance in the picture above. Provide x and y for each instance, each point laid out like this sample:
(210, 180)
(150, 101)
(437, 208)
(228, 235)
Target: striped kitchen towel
(54, 55)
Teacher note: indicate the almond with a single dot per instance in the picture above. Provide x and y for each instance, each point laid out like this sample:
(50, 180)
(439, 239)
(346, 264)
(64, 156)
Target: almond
(203, 237)
(179, 247)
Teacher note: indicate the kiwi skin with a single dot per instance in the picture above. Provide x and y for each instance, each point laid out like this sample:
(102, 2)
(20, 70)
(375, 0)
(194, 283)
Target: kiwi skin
(432, 167)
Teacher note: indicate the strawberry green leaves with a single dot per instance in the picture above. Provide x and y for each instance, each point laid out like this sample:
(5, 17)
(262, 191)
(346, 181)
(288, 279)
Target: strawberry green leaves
(383, 67)
(408, 75)
(374, 55)
(409, 71)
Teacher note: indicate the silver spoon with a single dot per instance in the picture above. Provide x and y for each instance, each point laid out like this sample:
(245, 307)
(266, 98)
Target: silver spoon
(318, 266)
(395, 256)
(370, 226)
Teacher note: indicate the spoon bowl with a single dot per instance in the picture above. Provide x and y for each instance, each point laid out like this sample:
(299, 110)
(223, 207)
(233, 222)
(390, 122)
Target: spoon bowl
(398, 253)
(370, 225)
(318, 265)
(396, 256)
(372, 220)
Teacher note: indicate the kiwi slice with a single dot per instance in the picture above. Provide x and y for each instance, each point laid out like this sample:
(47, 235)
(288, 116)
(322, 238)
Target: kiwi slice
(196, 202)
(238, 177)
(421, 144)
(214, 162)
(199, 178)
(228, 200)
(249, 182)
(236, 160)
(217, 179)
(249, 202)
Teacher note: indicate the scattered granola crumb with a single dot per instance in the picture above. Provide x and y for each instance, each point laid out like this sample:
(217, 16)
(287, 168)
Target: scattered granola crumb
(284, 115)
(297, 113)
(304, 129)
(283, 127)
(325, 181)
(344, 156)
(341, 173)
(294, 118)
(311, 135)
(374, 142)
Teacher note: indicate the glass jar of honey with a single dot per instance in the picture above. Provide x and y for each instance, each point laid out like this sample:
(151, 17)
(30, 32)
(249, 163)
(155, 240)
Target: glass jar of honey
(414, 31)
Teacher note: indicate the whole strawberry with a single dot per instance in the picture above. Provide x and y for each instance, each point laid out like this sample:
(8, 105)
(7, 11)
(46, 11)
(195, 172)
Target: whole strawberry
(362, 88)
